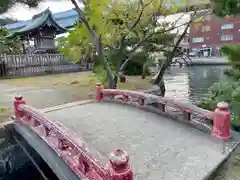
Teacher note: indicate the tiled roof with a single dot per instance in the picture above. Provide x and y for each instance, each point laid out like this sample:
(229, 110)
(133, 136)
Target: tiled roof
(66, 19)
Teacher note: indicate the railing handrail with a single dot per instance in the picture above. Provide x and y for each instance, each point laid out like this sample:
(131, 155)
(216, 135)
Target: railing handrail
(75, 154)
(220, 117)
(66, 135)
(164, 100)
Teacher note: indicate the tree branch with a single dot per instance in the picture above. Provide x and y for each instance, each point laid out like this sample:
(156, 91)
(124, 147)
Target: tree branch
(161, 32)
(140, 14)
(175, 23)
(141, 42)
(152, 34)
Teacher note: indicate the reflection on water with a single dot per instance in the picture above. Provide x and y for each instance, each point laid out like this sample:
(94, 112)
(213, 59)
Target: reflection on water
(192, 83)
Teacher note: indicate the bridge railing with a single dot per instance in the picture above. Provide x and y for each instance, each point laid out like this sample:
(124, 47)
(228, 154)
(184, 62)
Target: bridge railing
(86, 163)
(220, 118)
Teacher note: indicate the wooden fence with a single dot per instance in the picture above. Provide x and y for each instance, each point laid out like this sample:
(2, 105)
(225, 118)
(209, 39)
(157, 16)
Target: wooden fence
(38, 64)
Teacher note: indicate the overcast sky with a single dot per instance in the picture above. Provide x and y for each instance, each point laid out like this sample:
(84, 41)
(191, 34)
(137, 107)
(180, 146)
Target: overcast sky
(21, 12)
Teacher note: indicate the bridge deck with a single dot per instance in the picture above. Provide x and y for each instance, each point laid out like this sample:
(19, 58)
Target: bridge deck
(159, 148)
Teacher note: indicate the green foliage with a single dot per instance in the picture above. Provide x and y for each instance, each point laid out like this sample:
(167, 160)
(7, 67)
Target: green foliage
(232, 73)
(121, 26)
(6, 44)
(99, 76)
(224, 8)
(228, 89)
(233, 54)
(135, 66)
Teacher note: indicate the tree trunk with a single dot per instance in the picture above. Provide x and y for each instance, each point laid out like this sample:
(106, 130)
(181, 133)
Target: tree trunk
(159, 79)
(97, 42)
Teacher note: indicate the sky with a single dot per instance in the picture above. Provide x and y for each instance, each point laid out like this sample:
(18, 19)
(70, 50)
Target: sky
(21, 12)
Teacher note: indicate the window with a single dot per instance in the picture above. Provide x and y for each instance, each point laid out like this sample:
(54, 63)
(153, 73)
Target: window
(197, 39)
(206, 28)
(227, 26)
(226, 37)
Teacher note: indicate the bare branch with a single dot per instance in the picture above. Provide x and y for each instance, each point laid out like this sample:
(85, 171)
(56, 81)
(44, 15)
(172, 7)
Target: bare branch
(187, 24)
(170, 57)
(141, 12)
(175, 23)
(164, 31)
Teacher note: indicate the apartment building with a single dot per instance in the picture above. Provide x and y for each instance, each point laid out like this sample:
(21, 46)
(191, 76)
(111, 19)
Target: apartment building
(207, 38)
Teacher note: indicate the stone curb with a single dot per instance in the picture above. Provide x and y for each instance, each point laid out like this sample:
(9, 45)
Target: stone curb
(63, 106)
(210, 175)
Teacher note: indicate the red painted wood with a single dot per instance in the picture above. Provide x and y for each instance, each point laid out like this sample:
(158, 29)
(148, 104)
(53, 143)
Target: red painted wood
(188, 109)
(119, 167)
(17, 101)
(221, 128)
(85, 162)
(99, 88)
(74, 152)
(142, 99)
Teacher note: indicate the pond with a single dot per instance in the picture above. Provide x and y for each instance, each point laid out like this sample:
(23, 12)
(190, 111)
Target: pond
(192, 83)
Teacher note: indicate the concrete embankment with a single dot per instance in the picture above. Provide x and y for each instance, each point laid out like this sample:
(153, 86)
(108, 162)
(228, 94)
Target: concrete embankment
(197, 61)
(12, 157)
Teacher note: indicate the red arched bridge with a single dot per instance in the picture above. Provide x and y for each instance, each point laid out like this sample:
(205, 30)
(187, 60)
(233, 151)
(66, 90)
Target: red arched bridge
(127, 135)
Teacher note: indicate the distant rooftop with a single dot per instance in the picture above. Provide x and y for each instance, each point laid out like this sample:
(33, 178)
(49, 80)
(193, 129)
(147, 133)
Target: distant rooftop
(66, 19)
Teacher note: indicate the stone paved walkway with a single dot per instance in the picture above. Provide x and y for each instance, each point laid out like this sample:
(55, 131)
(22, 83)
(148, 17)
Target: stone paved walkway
(159, 148)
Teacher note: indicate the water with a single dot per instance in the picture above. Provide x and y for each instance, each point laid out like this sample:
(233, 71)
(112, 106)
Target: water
(192, 83)
(181, 83)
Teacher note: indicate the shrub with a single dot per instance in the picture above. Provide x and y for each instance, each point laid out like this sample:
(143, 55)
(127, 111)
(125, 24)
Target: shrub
(228, 89)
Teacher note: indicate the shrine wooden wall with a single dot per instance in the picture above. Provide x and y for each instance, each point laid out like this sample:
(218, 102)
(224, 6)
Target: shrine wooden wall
(38, 64)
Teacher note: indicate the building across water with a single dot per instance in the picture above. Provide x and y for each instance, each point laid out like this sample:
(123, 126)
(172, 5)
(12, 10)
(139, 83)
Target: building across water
(208, 38)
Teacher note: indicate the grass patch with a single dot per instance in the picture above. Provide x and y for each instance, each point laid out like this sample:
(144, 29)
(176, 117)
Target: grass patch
(78, 84)
(4, 114)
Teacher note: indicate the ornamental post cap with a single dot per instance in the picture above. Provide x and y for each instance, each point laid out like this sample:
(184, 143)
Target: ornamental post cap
(119, 157)
(223, 105)
(18, 97)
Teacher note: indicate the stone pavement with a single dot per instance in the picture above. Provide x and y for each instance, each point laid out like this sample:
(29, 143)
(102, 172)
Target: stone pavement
(159, 148)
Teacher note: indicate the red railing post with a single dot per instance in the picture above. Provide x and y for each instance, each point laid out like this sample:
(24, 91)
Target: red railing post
(119, 167)
(18, 100)
(99, 94)
(221, 121)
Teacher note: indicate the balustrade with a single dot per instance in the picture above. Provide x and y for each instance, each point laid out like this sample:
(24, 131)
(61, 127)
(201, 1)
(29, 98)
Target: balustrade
(87, 163)
(83, 161)
(167, 106)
